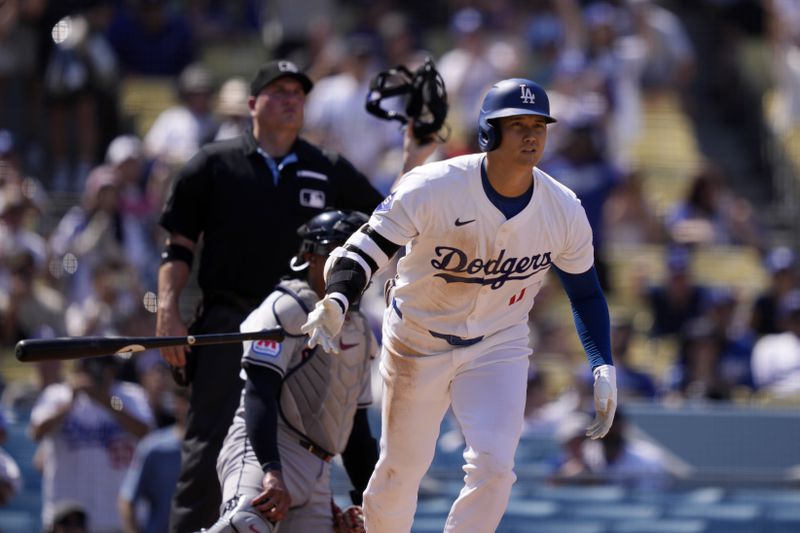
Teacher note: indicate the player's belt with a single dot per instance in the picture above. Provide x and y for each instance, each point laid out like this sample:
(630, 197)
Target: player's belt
(455, 340)
(316, 450)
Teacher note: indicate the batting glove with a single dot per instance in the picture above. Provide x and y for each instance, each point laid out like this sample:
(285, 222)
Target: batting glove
(323, 324)
(605, 401)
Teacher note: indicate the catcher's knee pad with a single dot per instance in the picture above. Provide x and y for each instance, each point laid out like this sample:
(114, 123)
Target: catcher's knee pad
(241, 517)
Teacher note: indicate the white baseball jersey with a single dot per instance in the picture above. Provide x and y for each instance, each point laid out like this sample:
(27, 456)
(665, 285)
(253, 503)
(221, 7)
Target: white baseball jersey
(87, 457)
(468, 271)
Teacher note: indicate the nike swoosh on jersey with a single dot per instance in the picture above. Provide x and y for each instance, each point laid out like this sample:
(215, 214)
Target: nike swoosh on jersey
(460, 222)
(343, 346)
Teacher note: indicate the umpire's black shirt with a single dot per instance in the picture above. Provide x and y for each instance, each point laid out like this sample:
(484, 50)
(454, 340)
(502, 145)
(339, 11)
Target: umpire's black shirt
(227, 193)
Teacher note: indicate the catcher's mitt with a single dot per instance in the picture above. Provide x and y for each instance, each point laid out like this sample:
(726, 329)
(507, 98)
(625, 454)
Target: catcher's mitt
(351, 520)
(424, 93)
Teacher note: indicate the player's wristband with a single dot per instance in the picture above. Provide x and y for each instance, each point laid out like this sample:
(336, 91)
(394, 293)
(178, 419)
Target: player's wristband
(273, 466)
(340, 299)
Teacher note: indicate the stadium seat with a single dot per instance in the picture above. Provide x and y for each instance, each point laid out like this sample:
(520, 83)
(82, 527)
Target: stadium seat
(429, 524)
(660, 526)
(722, 517)
(434, 506)
(702, 495)
(766, 496)
(144, 98)
(12, 521)
(782, 519)
(531, 508)
(580, 494)
(734, 512)
(532, 525)
(616, 510)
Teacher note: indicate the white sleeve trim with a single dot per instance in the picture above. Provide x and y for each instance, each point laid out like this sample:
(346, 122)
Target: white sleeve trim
(339, 297)
(363, 242)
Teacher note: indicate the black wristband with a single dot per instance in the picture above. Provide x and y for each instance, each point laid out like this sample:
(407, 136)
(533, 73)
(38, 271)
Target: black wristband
(177, 252)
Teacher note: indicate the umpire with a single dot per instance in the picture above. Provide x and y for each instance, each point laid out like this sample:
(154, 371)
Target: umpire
(245, 197)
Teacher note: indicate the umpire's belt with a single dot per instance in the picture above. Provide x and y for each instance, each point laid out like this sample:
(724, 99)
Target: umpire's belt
(316, 450)
(452, 340)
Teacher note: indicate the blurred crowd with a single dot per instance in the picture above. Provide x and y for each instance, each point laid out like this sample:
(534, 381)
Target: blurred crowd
(82, 184)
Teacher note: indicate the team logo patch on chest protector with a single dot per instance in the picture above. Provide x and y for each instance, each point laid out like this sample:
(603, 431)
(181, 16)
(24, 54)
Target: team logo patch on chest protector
(494, 272)
(267, 347)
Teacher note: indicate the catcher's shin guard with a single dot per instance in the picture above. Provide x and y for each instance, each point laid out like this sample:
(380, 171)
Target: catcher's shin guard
(241, 517)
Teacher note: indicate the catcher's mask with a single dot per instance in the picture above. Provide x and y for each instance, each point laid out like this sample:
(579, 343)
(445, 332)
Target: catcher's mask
(425, 98)
(324, 232)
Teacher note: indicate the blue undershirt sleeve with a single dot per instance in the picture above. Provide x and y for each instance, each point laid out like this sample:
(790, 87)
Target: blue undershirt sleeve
(590, 312)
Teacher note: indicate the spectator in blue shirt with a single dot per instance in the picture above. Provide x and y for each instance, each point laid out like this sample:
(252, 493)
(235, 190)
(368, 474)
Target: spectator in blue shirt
(154, 472)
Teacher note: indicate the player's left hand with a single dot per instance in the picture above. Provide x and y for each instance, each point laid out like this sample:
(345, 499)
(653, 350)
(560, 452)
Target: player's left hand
(351, 520)
(273, 502)
(324, 324)
(605, 401)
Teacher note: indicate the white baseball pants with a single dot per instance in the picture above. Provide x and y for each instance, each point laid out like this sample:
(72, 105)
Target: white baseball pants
(485, 384)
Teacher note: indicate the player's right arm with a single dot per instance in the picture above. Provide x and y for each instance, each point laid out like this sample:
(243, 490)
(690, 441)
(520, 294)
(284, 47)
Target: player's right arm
(348, 271)
(173, 274)
(350, 267)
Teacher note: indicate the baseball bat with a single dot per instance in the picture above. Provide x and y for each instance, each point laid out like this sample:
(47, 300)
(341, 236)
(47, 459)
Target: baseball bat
(64, 348)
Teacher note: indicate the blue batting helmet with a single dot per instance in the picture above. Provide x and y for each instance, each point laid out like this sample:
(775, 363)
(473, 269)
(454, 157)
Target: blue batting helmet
(515, 96)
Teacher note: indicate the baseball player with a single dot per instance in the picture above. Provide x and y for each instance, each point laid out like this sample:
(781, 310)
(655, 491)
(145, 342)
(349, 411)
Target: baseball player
(299, 404)
(480, 232)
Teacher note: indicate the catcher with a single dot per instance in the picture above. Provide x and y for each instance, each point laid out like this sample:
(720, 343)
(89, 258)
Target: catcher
(300, 407)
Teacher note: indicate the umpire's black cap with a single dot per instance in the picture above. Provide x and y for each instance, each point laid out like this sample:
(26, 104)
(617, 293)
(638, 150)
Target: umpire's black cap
(278, 68)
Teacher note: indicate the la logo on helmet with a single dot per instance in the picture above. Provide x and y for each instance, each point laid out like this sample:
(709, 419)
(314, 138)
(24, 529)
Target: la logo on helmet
(526, 94)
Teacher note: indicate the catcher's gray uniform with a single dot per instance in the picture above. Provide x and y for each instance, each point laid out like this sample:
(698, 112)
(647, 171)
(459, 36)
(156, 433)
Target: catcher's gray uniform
(318, 399)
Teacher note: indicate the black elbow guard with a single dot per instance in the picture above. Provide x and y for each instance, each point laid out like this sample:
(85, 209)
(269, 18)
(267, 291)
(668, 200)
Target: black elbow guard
(347, 277)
